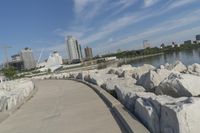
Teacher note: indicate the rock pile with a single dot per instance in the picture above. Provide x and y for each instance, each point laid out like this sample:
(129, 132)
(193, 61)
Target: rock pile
(164, 99)
(14, 92)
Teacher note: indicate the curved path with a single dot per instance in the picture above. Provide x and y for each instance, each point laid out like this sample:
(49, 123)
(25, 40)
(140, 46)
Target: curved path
(62, 107)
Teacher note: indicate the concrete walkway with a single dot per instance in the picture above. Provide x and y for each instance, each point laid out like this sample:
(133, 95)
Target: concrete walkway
(62, 107)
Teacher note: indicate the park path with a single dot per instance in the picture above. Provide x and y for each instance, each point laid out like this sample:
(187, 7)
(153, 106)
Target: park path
(62, 106)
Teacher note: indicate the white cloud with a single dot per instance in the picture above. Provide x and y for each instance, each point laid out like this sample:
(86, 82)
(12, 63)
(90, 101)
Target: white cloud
(148, 3)
(121, 5)
(114, 26)
(179, 3)
(63, 33)
(80, 5)
(158, 30)
(87, 9)
(126, 21)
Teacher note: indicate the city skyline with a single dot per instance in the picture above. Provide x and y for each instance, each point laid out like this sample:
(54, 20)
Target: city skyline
(104, 26)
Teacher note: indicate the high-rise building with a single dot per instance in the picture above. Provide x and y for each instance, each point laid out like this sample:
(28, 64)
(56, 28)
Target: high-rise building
(28, 58)
(88, 53)
(74, 49)
(198, 38)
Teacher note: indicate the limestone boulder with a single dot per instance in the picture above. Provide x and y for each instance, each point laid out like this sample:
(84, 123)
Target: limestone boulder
(124, 71)
(65, 75)
(14, 92)
(145, 111)
(128, 96)
(100, 78)
(126, 82)
(177, 66)
(82, 74)
(139, 71)
(179, 85)
(73, 75)
(164, 114)
(153, 78)
(194, 69)
(112, 70)
(90, 72)
(59, 76)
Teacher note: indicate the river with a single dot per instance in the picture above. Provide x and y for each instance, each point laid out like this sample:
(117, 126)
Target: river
(188, 57)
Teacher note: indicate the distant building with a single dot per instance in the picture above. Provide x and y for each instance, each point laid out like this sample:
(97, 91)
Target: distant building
(198, 38)
(17, 62)
(16, 57)
(54, 60)
(194, 42)
(88, 53)
(188, 42)
(174, 45)
(146, 44)
(28, 58)
(74, 49)
(162, 45)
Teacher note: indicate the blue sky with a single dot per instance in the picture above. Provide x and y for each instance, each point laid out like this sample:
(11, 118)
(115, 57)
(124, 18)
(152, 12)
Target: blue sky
(104, 25)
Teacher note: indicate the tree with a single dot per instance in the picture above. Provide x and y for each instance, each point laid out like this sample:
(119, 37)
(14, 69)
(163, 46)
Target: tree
(49, 70)
(9, 72)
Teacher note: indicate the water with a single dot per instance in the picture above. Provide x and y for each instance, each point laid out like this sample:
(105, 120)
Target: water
(187, 57)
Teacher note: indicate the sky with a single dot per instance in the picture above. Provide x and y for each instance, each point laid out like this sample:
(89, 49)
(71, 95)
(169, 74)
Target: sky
(104, 25)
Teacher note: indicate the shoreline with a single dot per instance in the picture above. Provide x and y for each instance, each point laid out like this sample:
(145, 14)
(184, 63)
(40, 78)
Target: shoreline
(127, 60)
(144, 89)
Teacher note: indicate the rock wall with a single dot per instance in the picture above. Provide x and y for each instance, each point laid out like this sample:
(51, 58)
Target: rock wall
(14, 92)
(165, 99)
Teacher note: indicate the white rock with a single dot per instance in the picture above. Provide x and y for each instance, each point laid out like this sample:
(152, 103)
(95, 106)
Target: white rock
(139, 71)
(125, 71)
(181, 116)
(13, 92)
(112, 70)
(177, 66)
(147, 114)
(128, 96)
(99, 78)
(82, 74)
(65, 75)
(164, 114)
(194, 69)
(153, 78)
(125, 82)
(162, 67)
(73, 74)
(178, 85)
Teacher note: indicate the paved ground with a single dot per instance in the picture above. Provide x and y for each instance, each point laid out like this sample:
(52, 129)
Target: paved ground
(62, 107)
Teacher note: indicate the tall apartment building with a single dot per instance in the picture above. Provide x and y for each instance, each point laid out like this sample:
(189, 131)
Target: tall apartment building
(88, 53)
(198, 38)
(74, 49)
(28, 58)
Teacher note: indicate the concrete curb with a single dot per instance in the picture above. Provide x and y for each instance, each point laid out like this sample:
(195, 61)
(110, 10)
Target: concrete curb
(6, 114)
(129, 122)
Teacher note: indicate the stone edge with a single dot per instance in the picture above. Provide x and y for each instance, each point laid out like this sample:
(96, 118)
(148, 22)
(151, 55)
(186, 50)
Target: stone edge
(6, 114)
(128, 120)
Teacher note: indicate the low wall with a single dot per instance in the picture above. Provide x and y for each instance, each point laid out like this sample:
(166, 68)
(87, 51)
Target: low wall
(129, 122)
(6, 114)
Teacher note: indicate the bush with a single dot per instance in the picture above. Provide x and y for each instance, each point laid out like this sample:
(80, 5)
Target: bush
(9, 72)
